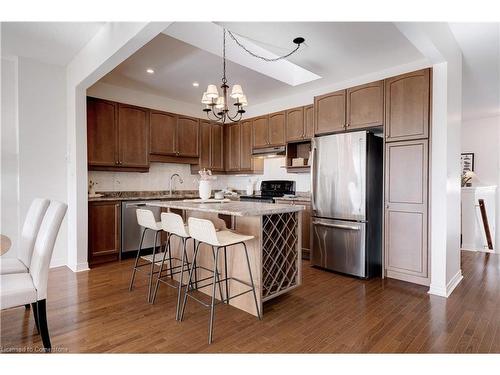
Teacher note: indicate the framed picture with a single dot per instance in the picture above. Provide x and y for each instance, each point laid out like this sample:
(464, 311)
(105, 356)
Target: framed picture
(467, 162)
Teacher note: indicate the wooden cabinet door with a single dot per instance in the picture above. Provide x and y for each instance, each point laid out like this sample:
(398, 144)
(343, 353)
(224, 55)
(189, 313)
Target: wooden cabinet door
(260, 127)
(309, 121)
(163, 133)
(205, 143)
(246, 145)
(295, 126)
(102, 131)
(234, 143)
(133, 136)
(330, 112)
(407, 106)
(365, 106)
(217, 147)
(187, 136)
(406, 205)
(104, 231)
(277, 129)
(306, 228)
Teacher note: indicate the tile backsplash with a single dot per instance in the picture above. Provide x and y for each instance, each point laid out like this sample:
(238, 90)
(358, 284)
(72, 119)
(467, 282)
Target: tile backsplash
(158, 178)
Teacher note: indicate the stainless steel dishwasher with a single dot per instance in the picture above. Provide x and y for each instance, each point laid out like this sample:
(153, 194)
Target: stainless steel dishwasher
(131, 231)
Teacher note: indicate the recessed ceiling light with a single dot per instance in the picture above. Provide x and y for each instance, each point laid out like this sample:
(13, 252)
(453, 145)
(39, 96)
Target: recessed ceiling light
(150, 71)
(195, 84)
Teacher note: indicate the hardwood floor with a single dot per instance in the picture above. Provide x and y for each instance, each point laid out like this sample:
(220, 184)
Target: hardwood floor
(94, 312)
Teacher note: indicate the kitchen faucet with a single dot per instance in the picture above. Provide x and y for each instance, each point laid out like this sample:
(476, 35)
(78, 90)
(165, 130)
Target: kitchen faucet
(171, 179)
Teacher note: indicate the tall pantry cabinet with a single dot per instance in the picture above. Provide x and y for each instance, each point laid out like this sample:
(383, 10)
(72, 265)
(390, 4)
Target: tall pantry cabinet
(406, 201)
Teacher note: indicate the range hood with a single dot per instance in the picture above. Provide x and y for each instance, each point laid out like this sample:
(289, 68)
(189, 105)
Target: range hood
(269, 152)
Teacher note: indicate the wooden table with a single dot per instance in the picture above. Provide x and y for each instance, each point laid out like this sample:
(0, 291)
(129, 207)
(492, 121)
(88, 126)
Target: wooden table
(5, 244)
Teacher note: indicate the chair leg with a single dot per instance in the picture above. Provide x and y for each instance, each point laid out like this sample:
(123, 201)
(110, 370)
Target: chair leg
(35, 316)
(189, 281)
(170, 261)
(137, 260)
(167, 247)
(212, 305)
(152, 267)
(251, 280)
(217, 274)
(225, 276)
(42, 323)
(179, 291)
(27, 306)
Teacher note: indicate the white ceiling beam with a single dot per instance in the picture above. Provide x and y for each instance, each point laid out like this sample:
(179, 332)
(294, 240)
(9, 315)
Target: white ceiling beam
(208, 37)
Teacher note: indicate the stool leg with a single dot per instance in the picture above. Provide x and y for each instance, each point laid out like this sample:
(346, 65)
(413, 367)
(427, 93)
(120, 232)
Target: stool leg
(212, 305)
(167, 247)
(181, 279)
(35, 315)
(251, 280)
(195, 268)
(136, 260)
(225, 276)
(217, 274)
(152, 267)
(189, 282)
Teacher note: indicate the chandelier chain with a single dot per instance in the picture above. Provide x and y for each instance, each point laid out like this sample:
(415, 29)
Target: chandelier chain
(224, 80)
(254, 54)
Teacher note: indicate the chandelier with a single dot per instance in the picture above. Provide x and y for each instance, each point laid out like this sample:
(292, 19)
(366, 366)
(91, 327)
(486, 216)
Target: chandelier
(216, 106)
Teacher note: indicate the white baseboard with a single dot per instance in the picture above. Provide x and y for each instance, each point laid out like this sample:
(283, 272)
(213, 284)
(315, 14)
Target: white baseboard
(79, 267)
(57, 263)
(450, 287)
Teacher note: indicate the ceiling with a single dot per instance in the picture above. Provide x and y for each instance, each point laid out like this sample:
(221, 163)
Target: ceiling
(336, 51)
(49, 42)
(480, 45)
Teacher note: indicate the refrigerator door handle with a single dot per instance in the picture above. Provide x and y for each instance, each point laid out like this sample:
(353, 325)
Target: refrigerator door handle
(313, 152)
(340, 226)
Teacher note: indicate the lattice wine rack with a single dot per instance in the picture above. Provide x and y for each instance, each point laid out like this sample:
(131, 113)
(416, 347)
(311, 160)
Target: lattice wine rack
(280, 263)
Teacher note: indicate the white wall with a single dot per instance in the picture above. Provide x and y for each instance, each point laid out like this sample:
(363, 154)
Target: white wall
(482, 137)
(9, 219)
(42, 140)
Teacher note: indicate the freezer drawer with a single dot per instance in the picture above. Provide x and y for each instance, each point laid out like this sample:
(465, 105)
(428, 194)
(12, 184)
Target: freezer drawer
(339, 246)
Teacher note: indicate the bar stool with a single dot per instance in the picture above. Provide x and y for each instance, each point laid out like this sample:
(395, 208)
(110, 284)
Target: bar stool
(146, 219)
(174, 226)
(204, 231)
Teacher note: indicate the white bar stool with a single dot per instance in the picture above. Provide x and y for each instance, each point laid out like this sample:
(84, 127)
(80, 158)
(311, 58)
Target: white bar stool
(146, 219)
(174, 226)
(204, 231)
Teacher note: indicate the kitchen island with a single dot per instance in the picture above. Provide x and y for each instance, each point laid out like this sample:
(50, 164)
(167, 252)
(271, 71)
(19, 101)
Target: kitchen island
(275, 252)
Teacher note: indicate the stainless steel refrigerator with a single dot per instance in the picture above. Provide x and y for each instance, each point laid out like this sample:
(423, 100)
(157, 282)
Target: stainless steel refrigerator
(347, 174)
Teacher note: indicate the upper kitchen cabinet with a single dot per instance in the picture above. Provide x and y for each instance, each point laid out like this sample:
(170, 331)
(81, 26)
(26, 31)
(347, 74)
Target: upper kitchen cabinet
(133, 136)
(163, 133)
(277, 129)
(233, 147)
(330, 112)
(187, 136)
(407, 100)
(217, 147)
(365, 106)
(117, 136)
(246, 161)
(309, 121)
(174, 138)
(260, 127)
(211, 147)
(102, 131)
(295, 124)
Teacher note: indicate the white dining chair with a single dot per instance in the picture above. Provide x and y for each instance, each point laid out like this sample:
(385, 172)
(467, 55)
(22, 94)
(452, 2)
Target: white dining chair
(30, 230)
(19, 289)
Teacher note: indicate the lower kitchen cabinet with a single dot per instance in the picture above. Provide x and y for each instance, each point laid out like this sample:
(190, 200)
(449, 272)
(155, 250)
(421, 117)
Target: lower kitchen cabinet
(306, 224)
(104, 232)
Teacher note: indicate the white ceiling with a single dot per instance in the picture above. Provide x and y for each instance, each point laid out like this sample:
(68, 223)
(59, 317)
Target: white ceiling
(480, 44)
(335, 51)
(49, 42)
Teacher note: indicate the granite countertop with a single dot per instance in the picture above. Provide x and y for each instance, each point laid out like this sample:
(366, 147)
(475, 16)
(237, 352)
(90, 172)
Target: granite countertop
(147, 195)
(297, 198)
(236, 208)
